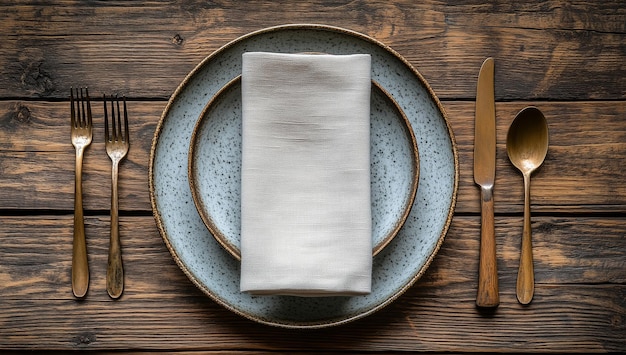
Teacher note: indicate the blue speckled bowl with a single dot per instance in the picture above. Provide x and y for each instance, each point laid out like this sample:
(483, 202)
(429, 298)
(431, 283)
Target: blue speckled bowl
(215, 167)
(214, 271)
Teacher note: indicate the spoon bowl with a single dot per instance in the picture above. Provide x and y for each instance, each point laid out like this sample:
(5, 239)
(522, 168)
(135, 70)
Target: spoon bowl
(527, 146)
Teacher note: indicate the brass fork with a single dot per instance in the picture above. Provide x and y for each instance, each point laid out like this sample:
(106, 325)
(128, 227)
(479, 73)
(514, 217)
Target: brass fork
(117, 145)
(81, 133)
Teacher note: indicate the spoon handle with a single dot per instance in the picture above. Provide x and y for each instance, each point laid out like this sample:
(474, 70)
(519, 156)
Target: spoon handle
(488, 295)
(525, 274)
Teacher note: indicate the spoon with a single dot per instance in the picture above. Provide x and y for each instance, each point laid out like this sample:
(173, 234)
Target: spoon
(527, 145)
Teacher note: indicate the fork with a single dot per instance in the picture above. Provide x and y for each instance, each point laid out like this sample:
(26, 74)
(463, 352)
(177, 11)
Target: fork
(81, 134)
(117, 145)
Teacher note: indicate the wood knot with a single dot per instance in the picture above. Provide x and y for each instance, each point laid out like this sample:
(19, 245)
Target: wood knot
(545, 228)
(84, 339)
(178, 40)
(20, 114)
(36, 79)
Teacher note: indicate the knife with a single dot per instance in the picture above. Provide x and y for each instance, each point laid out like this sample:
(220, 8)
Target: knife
(484, 176)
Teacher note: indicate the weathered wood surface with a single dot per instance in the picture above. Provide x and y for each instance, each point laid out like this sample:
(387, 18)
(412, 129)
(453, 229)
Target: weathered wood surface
(544, 50)
(567, 58)
(579, 301)
(583, 170)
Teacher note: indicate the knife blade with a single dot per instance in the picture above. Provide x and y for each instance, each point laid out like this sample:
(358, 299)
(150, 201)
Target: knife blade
(484, 176)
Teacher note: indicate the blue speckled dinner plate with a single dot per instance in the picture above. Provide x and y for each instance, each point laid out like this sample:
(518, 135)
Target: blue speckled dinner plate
(212, 269)
(215, 166)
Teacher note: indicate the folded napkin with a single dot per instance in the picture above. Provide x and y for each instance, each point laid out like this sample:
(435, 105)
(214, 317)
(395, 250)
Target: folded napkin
(305, 180)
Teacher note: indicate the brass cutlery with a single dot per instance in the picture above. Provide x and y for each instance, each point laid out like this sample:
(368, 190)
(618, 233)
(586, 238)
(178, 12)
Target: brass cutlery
(527, 146)
(484, 176)
(117, 144)
(81, 134)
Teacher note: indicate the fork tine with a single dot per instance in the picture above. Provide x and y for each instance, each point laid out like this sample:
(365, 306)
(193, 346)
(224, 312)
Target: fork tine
(116, 130)
(119, 119)
(89, 120)
(79, 108)
(113, 118)
(81, 113)
(126, 138)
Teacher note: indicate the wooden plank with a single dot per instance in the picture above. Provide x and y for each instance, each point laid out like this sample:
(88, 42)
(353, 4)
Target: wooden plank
(412, 323)
(582, 172)
(38, 158)
(574, 250)
(579, 303)
(585, 158)
(543, 50)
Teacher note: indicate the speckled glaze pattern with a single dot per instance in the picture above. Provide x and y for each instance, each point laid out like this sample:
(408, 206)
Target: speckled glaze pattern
(214, 271)
(215, 167)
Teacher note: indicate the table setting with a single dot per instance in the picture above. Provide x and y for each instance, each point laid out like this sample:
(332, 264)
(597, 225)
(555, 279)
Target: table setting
(296, 185)
(193, 259)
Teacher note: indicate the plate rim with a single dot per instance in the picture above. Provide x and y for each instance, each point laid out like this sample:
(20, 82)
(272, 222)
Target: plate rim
(225, 241)
(336, 320)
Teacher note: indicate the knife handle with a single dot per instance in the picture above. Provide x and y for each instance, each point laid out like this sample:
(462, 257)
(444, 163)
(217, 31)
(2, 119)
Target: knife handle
(487, 270)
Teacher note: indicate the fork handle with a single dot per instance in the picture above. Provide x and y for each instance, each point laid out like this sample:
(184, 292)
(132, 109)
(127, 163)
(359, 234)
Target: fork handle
(115, 269)
(80, 266)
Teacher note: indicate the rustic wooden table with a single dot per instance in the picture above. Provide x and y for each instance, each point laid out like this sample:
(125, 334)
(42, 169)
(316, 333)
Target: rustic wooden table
(566, 57)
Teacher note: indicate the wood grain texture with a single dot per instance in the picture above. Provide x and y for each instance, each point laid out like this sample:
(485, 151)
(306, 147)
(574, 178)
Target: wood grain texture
(35, 244)
(543, 50)
(583, 170)
(566, 58)
(579, 302)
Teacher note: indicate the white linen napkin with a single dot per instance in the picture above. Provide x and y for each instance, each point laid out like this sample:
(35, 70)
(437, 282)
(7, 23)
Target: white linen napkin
(305, 180)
